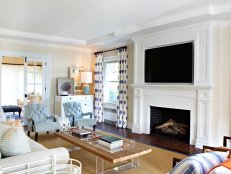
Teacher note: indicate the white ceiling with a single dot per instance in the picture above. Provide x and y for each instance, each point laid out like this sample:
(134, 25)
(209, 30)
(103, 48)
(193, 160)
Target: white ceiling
(83, 22)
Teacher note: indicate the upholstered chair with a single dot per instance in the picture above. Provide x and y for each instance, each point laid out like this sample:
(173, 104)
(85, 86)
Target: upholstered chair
(73, 110)
(38, 120)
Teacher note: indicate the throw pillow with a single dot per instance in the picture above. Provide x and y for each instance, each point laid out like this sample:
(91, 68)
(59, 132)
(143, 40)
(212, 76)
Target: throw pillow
(3, 129)
(14, 142)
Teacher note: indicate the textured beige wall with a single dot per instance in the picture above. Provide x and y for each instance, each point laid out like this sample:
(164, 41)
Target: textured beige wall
(61, 58)
(221, 90)
(130, 51)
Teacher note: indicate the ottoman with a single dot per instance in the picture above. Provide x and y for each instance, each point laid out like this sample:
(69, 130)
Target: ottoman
(12, 108)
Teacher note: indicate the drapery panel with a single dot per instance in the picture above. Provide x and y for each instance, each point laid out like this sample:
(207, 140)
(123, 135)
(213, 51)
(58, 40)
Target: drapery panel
(98, 74)
(122, 104)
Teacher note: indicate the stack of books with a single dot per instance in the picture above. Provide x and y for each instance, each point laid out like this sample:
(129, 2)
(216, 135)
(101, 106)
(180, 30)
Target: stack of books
(110, 141)
(81, 133)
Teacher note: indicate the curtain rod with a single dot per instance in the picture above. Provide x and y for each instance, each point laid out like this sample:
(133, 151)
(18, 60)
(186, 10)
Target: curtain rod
(124, 47)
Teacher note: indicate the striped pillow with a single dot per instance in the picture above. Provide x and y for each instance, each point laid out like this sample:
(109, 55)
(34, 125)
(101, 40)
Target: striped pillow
(199, 163)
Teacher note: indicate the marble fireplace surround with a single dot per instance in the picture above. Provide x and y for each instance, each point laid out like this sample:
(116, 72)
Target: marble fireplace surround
(194, 97)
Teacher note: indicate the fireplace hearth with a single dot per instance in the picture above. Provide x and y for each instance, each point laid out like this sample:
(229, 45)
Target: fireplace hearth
(170, 123)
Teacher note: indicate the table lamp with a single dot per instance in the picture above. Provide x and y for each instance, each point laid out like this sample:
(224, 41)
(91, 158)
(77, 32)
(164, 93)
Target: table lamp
(86, 78)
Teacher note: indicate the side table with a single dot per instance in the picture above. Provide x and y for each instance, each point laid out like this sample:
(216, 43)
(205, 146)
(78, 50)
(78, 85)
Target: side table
(63, 122)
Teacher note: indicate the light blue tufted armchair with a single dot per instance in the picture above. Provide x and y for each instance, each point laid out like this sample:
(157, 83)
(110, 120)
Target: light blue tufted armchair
(73, 111)
(38, 120)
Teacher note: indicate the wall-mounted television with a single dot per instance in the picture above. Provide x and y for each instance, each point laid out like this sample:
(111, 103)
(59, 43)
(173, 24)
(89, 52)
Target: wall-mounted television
(170, 64)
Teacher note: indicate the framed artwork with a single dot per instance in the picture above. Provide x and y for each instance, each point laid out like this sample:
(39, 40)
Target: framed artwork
(74, 72)
(65, 86)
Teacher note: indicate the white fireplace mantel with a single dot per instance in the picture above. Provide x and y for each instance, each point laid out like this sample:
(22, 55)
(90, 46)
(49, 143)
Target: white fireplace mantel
(195, 97)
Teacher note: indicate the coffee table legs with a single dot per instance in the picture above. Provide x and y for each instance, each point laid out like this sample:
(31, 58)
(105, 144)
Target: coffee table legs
(100, 166)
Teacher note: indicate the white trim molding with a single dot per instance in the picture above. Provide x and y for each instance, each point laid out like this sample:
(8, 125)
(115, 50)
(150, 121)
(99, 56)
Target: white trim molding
(129, 125)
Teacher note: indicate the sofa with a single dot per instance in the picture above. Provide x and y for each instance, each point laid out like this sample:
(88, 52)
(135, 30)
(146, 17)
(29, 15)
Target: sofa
(32, 151)
(38, 152)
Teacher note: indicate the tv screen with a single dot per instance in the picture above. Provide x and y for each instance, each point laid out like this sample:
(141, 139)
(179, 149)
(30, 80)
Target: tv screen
(169, 64)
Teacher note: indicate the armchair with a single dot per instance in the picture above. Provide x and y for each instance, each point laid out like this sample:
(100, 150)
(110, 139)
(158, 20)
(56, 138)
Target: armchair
(38, 120)
(73, 111)
(211, 161)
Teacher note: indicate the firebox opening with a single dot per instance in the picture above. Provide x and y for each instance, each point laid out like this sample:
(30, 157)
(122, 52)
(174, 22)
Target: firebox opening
(168, 122)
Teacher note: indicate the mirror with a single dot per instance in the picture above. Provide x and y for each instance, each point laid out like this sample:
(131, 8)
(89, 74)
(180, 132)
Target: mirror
(74, 72)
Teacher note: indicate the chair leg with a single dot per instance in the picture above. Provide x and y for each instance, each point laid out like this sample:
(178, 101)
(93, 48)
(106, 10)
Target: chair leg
(28, 133)
(47, 132)
(36, 136)
(73, 122)
(94, 126)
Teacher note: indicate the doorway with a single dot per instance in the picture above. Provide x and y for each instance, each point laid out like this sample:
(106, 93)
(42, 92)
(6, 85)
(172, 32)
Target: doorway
(23, 81)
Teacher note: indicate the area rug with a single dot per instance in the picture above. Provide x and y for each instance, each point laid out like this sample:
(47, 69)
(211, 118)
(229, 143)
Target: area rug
(159, 161)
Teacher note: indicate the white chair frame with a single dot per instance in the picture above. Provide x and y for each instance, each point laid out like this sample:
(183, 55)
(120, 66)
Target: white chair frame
(54, 167)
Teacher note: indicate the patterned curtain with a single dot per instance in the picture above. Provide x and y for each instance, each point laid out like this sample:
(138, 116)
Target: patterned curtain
(99, 87)
(122, 104)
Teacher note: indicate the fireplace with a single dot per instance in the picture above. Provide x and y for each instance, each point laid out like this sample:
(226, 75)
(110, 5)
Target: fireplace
(170, 123)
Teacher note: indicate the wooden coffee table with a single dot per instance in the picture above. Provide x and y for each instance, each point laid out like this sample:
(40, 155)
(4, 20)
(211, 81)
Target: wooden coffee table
(130, 155)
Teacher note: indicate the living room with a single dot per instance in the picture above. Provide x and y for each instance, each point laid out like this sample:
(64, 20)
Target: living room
(61, 37)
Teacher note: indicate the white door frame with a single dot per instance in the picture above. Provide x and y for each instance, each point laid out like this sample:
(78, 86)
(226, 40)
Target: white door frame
(37, 56)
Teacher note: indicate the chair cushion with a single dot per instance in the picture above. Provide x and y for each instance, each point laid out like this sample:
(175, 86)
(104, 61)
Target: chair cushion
(85, 122)
(199, 163)
(14, 142)
(46, 126)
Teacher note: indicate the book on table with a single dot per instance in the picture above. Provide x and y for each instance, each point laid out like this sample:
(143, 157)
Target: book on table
(82, 133)
(114, 145)
(110, 141)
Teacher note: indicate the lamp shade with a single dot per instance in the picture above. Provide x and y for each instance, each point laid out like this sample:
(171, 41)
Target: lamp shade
(86, 77)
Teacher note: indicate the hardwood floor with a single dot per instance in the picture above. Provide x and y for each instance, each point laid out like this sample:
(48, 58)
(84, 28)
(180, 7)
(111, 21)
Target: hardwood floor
(161, 142)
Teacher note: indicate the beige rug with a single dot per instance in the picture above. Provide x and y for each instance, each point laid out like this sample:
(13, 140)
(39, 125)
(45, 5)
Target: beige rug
(159, 161)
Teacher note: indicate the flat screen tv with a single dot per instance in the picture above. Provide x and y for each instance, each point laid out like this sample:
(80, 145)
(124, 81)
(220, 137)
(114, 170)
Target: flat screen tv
(170, 64)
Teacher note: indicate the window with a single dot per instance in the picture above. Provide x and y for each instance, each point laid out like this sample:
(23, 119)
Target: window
(111, 81)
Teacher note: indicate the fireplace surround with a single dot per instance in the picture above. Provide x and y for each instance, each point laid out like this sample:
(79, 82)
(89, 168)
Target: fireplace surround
(194, 97)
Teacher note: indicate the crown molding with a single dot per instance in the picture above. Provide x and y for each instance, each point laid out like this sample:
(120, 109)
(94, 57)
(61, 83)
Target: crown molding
(219, 9)
(42, 44)
(41, 37)
(203, 15)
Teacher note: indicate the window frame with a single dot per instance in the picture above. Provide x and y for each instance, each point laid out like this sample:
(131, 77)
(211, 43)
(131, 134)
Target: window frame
(109, 59)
